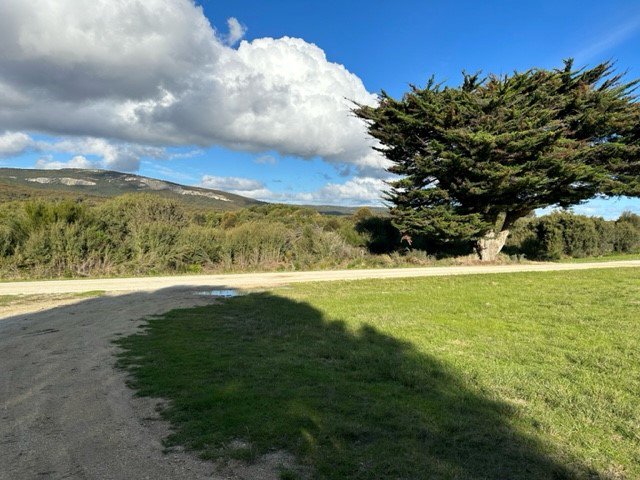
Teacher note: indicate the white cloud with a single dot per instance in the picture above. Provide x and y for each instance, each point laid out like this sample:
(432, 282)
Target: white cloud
(266, 160)
(236, 31)
(231, 183)
(156, 73)
(356, 191)
(122, 157)
(116, 156)
(189, 154)
(14, 143)
(48, 163)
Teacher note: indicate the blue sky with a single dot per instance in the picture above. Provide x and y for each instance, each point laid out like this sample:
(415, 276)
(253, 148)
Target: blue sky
(386, 45)
(392, 44)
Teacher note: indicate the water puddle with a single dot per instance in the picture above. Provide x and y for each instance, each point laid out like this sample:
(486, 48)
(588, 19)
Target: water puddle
(224, 293)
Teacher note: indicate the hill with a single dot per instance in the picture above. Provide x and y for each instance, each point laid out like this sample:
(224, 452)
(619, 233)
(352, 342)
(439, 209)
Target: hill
(23, 183)
(18, 183)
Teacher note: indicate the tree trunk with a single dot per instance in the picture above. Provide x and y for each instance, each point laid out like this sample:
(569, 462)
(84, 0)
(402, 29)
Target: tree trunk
(489, 246)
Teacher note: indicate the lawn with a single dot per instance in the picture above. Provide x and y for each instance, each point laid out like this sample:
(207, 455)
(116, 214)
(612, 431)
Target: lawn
(519, 376)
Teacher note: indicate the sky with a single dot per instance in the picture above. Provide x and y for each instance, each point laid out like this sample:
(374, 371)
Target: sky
(254, 97)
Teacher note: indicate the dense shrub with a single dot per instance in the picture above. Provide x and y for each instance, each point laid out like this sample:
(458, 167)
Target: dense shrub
(626, 237)
(564, 234)
(13, 231)
(380, 233)
(142, 234)
(199, 246)
(256, 243)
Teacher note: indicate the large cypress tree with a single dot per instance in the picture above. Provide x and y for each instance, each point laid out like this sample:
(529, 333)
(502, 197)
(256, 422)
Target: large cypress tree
(475, 158)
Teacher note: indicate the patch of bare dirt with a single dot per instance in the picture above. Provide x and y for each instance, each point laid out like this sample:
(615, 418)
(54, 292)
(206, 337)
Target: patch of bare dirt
(65, 411)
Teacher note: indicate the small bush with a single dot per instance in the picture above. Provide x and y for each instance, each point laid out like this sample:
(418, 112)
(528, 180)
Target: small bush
(626, 237)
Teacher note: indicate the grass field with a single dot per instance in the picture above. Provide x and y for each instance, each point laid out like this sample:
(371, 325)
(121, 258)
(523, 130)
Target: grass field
(606, 258)
(519, 376)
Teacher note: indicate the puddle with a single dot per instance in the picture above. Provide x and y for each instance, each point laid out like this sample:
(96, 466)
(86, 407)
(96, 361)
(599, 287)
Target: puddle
(224, 293)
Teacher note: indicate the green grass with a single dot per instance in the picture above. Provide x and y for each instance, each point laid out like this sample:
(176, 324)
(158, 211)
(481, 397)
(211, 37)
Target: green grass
(519, 376)
(605, 258)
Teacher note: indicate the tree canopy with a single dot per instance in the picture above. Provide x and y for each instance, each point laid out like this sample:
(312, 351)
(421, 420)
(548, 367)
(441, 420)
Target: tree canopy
(473, 159)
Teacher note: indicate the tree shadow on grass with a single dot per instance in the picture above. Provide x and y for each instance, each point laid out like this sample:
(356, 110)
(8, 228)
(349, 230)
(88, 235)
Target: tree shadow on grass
(275, 374)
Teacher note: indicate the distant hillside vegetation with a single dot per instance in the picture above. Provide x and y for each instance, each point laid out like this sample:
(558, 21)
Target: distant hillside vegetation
(18, 183)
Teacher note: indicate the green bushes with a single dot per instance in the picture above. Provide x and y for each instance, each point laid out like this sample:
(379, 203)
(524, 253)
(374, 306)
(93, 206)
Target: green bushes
(255, 243)
(146, 234)
(273, 244)
(564, 234)
(198, 246)
(13, 231)
(626, 235)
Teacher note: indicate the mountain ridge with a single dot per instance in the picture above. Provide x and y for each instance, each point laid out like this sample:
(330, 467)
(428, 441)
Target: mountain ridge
(21, 183)
(107, 183)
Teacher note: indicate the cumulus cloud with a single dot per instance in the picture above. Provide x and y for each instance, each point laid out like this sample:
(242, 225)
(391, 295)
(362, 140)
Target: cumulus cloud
(122, 157)
(231, 183)
(156, 73)
(14, 143)
(115, 156)
(236, 31)
(356, 191)
(48, 163)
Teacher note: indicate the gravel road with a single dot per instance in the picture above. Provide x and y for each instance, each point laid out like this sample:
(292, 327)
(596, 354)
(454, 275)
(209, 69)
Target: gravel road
(65, 412)
(253, 280)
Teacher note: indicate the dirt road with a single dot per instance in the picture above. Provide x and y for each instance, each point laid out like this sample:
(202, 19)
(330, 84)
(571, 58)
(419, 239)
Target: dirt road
(255, 280)
(65, 412)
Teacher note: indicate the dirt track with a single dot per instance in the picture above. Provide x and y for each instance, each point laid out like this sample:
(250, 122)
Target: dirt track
(254, 280)
(65, 412)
